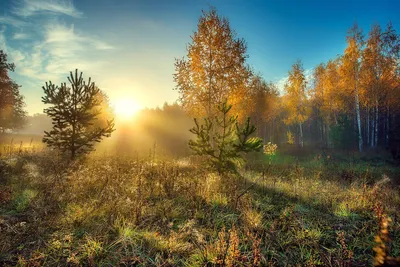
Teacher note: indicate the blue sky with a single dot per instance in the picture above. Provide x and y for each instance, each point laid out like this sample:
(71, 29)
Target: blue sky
(128, 46)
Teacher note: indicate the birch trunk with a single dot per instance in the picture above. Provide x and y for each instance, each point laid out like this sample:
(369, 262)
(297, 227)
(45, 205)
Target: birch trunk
(273, 130)
(372, 130)
(360, 141)
(368, 140)
(328, 141)
(376, 123)
(335, 116)
(322, 131)
(387, 128)
(301, 135)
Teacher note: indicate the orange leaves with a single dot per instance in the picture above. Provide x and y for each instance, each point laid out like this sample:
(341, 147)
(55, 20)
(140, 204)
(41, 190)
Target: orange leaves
(327, 95)
(296, 98)
(215, 68)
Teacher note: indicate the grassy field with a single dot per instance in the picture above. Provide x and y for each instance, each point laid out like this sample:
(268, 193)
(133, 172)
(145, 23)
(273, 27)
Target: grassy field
(317, 209)
(12, 144)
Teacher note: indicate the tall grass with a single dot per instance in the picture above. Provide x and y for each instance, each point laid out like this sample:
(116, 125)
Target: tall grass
(110, 210)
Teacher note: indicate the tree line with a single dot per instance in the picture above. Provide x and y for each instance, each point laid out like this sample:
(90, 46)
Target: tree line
(12, 113)
(351, 101)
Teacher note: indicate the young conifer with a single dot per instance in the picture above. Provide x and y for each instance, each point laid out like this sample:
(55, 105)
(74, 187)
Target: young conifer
(73, 112)
(230, 139)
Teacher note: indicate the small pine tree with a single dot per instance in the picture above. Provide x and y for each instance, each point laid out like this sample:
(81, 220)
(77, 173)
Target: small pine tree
(73, 113)
(230, 140)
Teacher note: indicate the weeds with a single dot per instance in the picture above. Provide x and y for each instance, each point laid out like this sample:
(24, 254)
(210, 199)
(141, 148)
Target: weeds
(107, 210)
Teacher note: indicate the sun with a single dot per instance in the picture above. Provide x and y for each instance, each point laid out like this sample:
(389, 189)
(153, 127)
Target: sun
(126, 108)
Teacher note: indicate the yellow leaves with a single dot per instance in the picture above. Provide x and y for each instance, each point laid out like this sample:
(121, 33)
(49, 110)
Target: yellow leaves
(382, 239)
(350, 63)
(242, 103)
(290, 138)
(327, 93)
(296, 99)
(215, 69)
(377, 71)
(270, 149)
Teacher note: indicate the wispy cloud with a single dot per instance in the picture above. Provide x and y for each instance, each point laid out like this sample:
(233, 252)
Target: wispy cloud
(51, 49)
(280, 83)
(26, 8)
(68, 50)
(60, 50)
(3, 41)
(62, 35)
(309, 77)
(9, 20)
(20, 36)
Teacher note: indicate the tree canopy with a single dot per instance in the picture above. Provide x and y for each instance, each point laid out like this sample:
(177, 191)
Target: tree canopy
(214, 69)
(12, 113)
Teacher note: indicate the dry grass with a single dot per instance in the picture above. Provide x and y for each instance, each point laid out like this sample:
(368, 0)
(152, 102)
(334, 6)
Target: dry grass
(106, 210)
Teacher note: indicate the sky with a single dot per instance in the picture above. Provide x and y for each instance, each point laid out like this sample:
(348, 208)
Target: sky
(128, 47)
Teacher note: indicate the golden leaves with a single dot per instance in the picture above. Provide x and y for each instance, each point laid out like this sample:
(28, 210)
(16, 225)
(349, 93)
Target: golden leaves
(214, 70)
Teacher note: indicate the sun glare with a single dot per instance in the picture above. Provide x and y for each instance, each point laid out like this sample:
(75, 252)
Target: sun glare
(126, 108)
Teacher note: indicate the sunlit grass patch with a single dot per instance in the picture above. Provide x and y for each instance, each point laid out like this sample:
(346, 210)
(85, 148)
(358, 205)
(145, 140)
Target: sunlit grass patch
(253, 218)
(92, 248)
(125, 230)
(310, 236)
(74, 213)
(219, 200)
(22, 200)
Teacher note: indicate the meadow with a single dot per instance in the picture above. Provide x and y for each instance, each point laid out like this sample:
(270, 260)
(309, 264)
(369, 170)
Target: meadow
(193, 147)
(299, 208)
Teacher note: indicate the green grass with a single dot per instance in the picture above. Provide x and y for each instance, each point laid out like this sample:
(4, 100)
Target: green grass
(106, 210)
(22, 200)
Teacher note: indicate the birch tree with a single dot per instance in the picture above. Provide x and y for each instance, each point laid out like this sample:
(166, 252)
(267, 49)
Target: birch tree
(296, 100)
(214, 69)
(350, 74)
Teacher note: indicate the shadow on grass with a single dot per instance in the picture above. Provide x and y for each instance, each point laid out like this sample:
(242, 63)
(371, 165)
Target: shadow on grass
(285, 217)
(290, 220)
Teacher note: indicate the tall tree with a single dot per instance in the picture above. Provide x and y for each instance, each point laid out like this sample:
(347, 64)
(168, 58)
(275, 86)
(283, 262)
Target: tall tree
(215, 69)
(333, 92)
(296, 99)
(12, 113)
(374, 65)
(327, 98)
(264, 99)
(74, 111)
(350, 73)
(391, 50)
(320, 107)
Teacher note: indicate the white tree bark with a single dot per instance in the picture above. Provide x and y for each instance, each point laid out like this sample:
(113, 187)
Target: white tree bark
(372, 129)
(360, 141)
(387, 128)
(301, 135)
(368, 140)
(376, 123)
